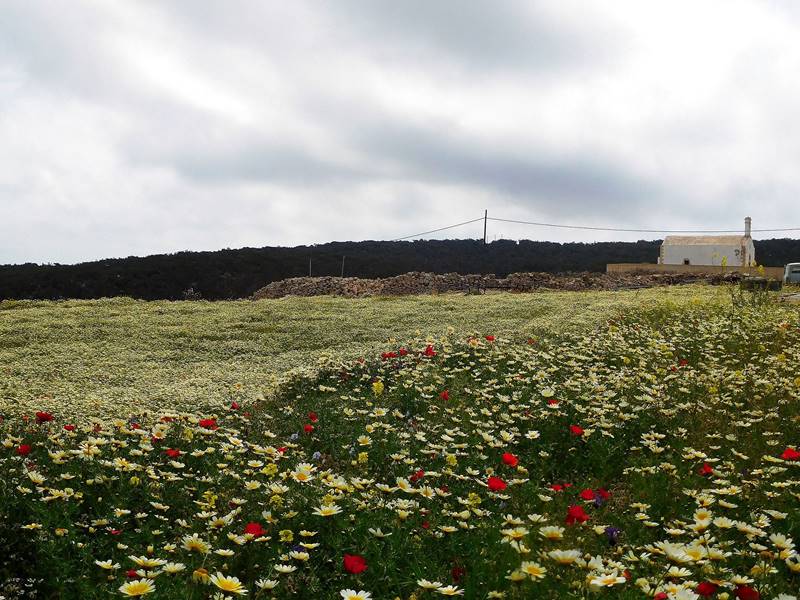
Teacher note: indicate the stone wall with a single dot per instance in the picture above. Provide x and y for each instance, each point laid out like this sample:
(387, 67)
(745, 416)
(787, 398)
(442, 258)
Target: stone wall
(431, 283)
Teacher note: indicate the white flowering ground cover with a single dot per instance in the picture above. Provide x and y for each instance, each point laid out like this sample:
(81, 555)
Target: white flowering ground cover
(119, 357)
(651, 454)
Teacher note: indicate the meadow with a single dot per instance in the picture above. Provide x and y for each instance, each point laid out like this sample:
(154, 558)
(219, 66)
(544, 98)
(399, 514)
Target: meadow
(639, 444)
(119, 357)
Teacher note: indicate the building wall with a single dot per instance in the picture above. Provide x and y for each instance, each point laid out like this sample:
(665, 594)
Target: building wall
(707, 254)
(750, 249)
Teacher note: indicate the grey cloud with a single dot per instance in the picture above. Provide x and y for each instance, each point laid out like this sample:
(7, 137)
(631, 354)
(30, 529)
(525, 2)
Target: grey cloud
(398, 150)
(496, 35)
(207, 150)
(375, 119)
(261, 162)
(55, 44)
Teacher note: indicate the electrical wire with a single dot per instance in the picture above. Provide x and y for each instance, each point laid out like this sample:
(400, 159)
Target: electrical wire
(593, 228)
(638, 230)
(440, 229)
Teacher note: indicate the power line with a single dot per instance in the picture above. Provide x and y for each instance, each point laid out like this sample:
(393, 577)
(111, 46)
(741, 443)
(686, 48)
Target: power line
(440, 229)
(591, 228)
(638, 230)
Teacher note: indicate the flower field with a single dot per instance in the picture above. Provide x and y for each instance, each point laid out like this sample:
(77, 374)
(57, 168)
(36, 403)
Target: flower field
(118, 357)
(653, 451)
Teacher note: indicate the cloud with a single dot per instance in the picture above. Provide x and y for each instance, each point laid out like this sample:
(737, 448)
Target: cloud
(148, 127)
(492, 36)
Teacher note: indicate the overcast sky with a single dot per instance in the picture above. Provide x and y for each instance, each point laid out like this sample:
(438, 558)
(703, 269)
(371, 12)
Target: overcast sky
(134, 128)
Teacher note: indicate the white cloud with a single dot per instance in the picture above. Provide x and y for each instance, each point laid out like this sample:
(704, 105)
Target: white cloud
(149, 127)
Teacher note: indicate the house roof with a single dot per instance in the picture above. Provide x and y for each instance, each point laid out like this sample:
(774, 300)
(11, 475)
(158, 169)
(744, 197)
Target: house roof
(704, 240)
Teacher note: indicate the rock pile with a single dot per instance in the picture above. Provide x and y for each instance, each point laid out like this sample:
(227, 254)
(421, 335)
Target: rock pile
(432, 283)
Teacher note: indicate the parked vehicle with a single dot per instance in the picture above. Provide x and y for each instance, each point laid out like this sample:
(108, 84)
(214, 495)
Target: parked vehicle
(792, 273)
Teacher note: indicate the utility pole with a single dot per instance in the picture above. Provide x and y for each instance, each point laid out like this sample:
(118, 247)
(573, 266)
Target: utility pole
(485, 218)
(311, 252)
(342, 265)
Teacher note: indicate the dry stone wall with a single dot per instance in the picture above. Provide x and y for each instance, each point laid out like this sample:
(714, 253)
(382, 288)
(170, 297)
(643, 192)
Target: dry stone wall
(432, 283)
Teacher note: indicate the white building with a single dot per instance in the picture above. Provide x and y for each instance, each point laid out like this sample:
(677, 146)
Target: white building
(709, 250)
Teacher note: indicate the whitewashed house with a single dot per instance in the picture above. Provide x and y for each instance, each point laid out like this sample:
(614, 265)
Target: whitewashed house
(709, 250)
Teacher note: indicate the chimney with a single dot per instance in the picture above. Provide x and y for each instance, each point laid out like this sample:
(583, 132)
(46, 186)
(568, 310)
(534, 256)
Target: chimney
(747, 221)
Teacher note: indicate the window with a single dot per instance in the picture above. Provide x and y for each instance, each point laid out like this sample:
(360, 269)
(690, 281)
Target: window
(686, 261)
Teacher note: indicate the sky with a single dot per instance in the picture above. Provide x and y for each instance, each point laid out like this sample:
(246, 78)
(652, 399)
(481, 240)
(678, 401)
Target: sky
(143, 127)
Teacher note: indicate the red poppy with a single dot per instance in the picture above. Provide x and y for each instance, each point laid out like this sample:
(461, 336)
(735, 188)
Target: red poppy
(308, 428)
(576, 430)
(426, 525)
(312, 416)
(489, 338)
(417, 476)
(552, 402)
(43, 417)
(745, 592)
(496, 484)
(683, 362)
(510, 459)
(587, 494)
(254, 529)
(388, 355)
(402, 352)
(790, 454)
(576, 514)
(354, 564)
(429, 351)
(445, 395)
(235, 405)
(661, 596)
(23, 449)
(705, 470)
(115, 531)
(208, 423)
(172, 452)
(603, 493)
(706, 588)
(556, 487)
(69, 427)
(457, 573)
(135, 426)
(531, 341)
(282, 449)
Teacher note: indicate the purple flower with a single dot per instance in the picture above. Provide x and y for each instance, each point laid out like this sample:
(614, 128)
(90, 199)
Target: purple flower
(612, 533)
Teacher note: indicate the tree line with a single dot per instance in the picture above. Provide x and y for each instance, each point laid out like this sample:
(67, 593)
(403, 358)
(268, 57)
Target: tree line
(228, 273)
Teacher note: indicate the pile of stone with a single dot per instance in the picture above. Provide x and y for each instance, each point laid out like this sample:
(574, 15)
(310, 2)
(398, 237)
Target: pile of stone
(415, 283)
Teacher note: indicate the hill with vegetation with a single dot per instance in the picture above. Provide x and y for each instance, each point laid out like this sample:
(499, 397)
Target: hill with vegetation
(228, 274)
